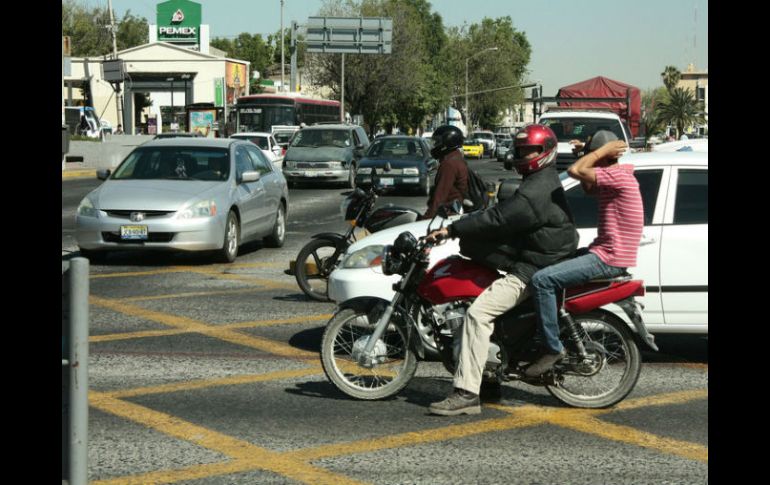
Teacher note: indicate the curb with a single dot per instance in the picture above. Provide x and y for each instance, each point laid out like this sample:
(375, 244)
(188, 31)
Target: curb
(70, 174)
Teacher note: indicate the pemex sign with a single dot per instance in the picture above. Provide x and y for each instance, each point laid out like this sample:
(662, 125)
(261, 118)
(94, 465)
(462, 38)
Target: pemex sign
(179, 21)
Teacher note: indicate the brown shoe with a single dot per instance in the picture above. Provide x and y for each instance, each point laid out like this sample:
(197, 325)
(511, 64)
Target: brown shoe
(459, 402)
(544, 363)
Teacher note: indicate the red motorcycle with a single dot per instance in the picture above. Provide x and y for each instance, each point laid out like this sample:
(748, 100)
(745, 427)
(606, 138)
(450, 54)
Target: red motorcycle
(370, 346)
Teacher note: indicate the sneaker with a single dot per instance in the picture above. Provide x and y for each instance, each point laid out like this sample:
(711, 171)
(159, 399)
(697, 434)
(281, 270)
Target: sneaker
(459, 402)
(544, 363)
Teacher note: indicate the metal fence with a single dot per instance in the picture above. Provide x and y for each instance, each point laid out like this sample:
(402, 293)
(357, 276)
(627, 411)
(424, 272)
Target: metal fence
(75, 288)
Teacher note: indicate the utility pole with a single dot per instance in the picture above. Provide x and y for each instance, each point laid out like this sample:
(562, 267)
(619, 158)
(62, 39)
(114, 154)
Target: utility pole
(115, 56)
(282, 58)
(342, 102)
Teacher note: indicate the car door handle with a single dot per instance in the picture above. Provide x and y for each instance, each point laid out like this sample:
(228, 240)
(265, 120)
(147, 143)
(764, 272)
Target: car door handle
(646, 240)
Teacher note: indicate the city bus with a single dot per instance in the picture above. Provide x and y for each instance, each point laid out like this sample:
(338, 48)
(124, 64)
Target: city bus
(260, 112)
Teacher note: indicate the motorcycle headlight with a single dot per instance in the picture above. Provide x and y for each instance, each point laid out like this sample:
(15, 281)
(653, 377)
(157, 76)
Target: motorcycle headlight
(412, 171)
(391, 261)
(87, 209)
(364, 258)
(405, 243)
(204, 208)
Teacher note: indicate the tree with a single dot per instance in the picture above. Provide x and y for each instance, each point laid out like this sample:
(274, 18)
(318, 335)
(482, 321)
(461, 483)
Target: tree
(248, 47)
(89, 30)
(671, 76)
(681, 110)
(505, 67)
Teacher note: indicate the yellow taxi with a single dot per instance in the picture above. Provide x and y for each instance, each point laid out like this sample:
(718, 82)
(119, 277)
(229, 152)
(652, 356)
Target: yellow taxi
(473, 148)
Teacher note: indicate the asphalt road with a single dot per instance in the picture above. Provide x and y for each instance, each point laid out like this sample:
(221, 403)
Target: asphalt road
(208, 373)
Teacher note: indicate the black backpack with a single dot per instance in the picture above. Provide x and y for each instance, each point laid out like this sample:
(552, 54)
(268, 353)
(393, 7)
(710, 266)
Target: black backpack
(478, 192)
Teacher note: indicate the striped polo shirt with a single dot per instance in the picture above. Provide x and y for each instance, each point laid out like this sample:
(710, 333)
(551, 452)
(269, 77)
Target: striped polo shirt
(621, 216)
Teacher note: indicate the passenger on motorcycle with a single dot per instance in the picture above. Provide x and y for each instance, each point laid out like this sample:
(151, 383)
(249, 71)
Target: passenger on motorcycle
(452, 175)
(537, 223)
(621, 220)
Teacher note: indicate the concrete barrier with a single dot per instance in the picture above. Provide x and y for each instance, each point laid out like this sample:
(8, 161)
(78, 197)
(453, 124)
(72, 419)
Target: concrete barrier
(106, 154)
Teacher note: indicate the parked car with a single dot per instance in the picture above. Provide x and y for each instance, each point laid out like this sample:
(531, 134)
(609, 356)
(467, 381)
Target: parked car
(326, 153)
(400, 161)
(487, 138)
(266, 142)
(185, 194)
(672, 258)
(178, 134)
(473, 148)
(503, 146)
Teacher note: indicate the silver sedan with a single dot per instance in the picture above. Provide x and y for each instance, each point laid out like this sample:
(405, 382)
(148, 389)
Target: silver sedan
(185, 194)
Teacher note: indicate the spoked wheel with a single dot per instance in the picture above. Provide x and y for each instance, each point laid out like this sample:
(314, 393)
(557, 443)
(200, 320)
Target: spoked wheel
(343, 344)
(611, 371)
(315, 262)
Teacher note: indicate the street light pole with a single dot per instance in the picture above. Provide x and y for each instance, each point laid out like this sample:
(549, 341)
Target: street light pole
(172, 103)
(467, 114)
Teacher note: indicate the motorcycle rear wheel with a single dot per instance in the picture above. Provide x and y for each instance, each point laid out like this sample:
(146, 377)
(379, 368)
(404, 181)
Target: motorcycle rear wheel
(618, 363)
(347, 330)
(315, 262)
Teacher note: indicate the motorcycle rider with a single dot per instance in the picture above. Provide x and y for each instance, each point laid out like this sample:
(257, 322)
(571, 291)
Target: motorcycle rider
(537, 222)
(452, 175)
(621, 220)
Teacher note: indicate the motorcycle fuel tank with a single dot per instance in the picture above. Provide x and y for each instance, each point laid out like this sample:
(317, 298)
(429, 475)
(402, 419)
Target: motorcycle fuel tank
(455, 278)
(390, 216)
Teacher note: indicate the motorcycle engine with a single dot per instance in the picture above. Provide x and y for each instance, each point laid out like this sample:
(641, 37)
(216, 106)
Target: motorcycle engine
(450, 317)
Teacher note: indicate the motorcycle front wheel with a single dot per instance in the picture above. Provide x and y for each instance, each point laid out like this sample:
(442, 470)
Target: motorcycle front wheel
(315, 262)
(612, 369)
(343, 341)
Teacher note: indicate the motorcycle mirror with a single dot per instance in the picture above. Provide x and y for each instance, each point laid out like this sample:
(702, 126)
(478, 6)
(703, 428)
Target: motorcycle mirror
(375, 179)
(456, 206)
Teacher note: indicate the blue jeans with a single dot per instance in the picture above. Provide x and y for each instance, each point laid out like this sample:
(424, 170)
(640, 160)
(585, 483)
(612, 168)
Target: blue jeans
(548, 281)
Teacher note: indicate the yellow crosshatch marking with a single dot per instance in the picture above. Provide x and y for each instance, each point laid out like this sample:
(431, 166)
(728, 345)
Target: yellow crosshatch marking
(295, 464)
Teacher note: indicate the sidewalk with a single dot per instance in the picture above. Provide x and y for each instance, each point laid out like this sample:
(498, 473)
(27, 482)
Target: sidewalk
(77, 170)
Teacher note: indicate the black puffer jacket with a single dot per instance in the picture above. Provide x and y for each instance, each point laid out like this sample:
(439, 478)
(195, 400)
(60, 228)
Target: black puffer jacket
(536, 221)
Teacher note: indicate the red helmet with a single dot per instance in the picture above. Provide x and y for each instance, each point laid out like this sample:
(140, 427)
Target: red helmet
(539, 136)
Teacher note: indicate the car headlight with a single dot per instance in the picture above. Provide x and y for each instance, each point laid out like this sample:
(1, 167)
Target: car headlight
(87, 209)
(289, 164)
(412, 171)
(204, 208)
(364, 258)
(336, 164)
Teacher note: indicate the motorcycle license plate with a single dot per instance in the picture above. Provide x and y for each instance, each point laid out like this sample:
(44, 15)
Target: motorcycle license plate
(133, 232)
(386, 182)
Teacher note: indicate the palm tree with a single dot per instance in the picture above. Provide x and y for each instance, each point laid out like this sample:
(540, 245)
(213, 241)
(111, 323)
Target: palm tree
(671, 76)
(681, 110)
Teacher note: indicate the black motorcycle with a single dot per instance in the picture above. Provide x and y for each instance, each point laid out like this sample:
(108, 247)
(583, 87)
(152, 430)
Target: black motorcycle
(318, 258)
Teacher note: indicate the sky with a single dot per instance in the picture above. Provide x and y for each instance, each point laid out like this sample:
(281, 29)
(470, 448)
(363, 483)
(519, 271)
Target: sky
(571, 40)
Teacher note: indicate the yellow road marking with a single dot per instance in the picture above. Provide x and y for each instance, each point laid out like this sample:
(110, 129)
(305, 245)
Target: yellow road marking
(243, 451)
(192, 294)
(627, 434)
(245, 279)
(187, 269)
(206, 383)
(516, 420)
(660, 400)
(233, 326)
(190, 325)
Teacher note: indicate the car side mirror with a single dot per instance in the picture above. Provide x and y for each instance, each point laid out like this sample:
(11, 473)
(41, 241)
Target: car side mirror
(247, 177)
(432, 165)
(103, 174)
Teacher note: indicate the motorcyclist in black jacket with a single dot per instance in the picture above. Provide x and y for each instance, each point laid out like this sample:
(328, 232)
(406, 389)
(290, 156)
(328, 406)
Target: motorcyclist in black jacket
(532, 229)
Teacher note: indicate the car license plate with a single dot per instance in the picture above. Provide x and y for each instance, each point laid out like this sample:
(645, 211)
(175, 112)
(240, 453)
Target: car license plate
(386, 182)
(311, 174)
(133, 232)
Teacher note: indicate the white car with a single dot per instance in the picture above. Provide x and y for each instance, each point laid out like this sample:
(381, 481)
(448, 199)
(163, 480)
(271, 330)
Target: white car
(672, 258)
(695, 145)
(267, 143)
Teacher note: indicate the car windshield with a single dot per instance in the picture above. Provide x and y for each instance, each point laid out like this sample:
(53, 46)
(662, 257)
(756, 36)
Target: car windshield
(175, 163)
(472, 141)
(260, 141)
(282, 137)
(567, 129)
(321, 138)
(398, 148)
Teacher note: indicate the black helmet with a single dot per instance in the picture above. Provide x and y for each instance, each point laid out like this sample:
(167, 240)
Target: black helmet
(446, 138)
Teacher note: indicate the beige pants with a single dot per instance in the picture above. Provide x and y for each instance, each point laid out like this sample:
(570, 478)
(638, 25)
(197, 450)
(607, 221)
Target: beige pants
(504, 294)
